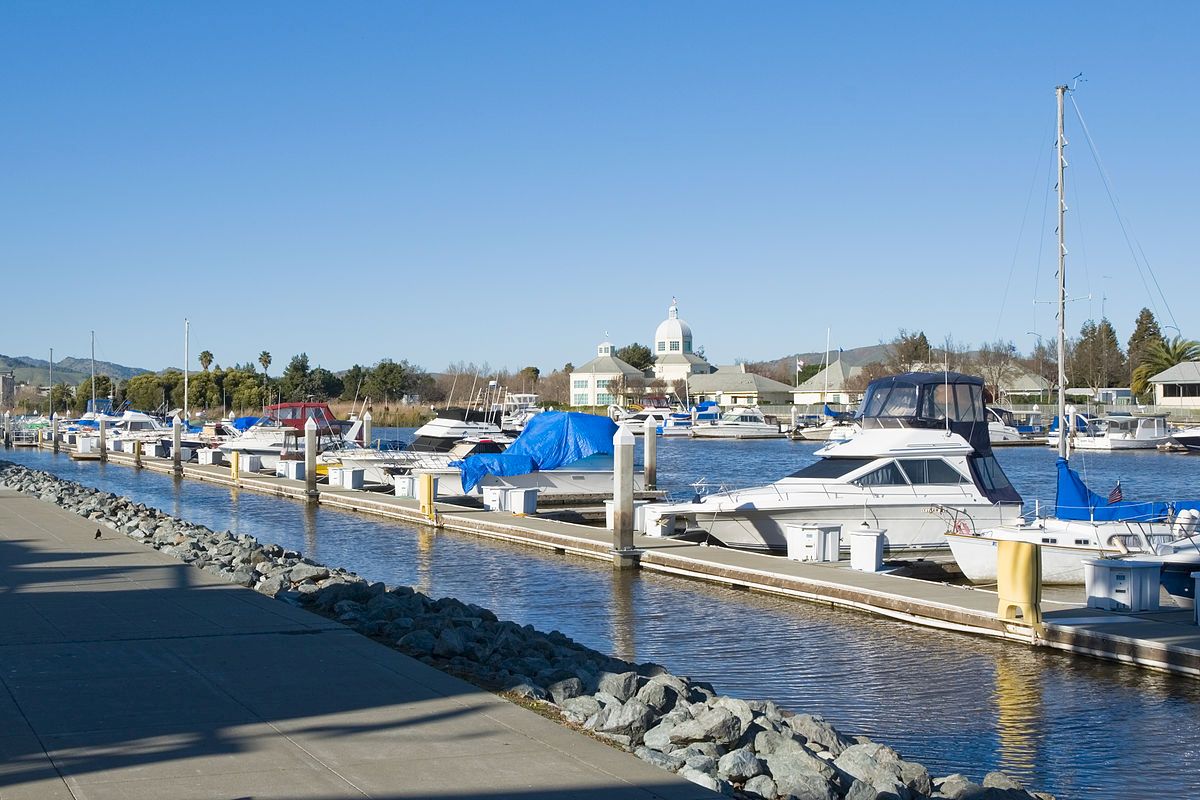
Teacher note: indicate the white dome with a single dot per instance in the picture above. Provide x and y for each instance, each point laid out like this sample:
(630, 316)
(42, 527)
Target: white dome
(673, 334)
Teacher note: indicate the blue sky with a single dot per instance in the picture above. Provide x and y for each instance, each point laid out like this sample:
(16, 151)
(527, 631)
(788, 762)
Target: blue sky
(504, 183)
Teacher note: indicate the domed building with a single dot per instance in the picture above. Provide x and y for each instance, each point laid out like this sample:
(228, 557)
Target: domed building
(673, 356)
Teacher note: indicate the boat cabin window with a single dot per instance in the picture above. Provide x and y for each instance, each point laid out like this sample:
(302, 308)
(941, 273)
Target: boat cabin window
(892, 401)
(961, 402)
(931, 471)
(887, 475)
(831, 468)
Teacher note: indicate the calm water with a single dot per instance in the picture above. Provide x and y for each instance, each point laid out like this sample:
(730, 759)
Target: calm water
(1071, 726)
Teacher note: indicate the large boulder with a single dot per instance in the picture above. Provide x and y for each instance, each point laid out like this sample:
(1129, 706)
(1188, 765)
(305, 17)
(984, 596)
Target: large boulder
(817, 731)
(632, 719)
(621, 686)
(717, 725)
(879, 766)
(739, 766)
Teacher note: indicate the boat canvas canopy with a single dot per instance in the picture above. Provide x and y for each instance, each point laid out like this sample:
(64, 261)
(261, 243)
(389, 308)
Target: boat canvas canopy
(550, 440)
(1075, 501)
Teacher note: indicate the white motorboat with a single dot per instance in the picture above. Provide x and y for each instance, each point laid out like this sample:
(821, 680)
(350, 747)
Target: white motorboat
(518, 409)
(452, 425)
(922, 463)
(1189, 438)
(381, 466)
(679, 423)
(831, 430)
(738, 423)
(1125, 432)
(1002, 426)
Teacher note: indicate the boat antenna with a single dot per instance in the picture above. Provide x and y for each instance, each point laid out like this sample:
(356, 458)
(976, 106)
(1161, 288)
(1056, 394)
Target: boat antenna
(1061, 143)
(453, 383)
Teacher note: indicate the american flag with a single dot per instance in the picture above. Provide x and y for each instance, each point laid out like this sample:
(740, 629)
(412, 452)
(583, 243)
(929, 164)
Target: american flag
(1116, 495)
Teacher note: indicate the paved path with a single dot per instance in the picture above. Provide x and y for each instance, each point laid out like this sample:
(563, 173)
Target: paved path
(126, 674)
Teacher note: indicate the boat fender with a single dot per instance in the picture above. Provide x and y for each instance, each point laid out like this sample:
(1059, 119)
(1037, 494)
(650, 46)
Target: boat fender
(963, 528)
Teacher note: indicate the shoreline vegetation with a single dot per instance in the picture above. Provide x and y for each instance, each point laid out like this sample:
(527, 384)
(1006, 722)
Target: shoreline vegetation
(739, 748)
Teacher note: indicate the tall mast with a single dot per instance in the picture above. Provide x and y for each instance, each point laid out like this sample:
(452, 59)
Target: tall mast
(1063, 432)
(93, 372)
(186, 356)
(52, 381)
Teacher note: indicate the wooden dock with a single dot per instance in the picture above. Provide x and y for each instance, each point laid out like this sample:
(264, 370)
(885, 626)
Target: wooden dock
(1168, 640)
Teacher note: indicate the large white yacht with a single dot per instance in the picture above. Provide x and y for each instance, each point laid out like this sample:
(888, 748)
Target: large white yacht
(1125, 432)
(738, 423)
(921, 465)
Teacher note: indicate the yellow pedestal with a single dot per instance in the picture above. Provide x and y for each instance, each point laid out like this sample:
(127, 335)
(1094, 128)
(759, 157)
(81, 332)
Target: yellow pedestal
(1019, 582)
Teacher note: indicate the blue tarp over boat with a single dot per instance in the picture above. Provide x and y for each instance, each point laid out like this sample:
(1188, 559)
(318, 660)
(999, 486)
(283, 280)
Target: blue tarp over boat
(550, 440)
(1076, 501)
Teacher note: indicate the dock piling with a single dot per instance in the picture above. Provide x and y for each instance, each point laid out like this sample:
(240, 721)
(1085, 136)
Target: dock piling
(137, 453)
(624, 554)
(366, 429)
(651, 454)
(177, 445)
(54, 431)
(234, 464)
(7, 428)
(103, 440)
(310, 460)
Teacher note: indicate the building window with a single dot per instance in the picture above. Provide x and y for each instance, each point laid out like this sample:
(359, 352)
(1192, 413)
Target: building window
(662, 347)
(1181, 389)
(687, 345)
(604, 398)
(581, 399)
(674, 347)
(580, 384)
(603, 383)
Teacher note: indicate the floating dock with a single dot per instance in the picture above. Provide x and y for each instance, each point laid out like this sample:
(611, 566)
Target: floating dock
(1167, 640)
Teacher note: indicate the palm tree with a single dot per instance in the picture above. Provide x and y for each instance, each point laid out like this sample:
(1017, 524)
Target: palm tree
(1159, 356)
(264, 358)
(206, 359)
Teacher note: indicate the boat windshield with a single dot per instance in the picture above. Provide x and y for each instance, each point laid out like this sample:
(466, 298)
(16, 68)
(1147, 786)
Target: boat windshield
(831, 468)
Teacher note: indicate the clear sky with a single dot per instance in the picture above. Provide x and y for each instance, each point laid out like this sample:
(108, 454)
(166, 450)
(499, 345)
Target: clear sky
(504, 182)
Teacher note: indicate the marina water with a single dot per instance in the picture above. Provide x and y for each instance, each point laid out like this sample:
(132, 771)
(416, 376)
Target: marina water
(1069, 725)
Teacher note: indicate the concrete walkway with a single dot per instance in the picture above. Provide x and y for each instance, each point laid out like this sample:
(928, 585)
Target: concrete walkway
(126, 674)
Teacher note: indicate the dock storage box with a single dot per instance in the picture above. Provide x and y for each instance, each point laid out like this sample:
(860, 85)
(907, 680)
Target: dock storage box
(85, 445)
(351, 478)
(209, 457)
(813, 542)
(639, 506)
(335, 476)
(521, 501)
(405, 485)
(1117, 585)
(250, 463)
(293, 469)
(866, 549)
(494, 497)
(659, 523)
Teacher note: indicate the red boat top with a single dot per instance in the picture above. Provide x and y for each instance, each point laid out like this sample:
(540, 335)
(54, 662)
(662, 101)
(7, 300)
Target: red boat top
(294, 415)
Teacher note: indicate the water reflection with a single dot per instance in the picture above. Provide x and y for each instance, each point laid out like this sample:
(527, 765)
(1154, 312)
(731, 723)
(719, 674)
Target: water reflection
(311, 543)
(1018, 717)
(623, 623)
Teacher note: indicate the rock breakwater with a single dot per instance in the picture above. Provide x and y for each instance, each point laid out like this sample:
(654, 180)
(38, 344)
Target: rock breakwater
(738, 748)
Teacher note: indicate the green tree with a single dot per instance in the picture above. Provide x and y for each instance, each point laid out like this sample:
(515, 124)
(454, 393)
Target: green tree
(325, 384)
(997, 363)
(61, 397)
(907, 351)
(144, 391)
(206, 359)
(636, 355)
(1145, 333)
(295, 383)
(1160, 356)
(264, 358)
(529, 378)
(241, 389)
(352, 382)
(388, 381)
(83, 392)
(1097, 360)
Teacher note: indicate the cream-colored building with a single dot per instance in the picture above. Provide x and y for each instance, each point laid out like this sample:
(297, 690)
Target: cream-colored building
(733, 386)
(604, 380)
(830, 385)
(1178, 386)
(674, 358)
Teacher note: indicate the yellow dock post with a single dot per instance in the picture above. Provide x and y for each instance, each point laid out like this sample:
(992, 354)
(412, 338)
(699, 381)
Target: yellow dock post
(137, 453)
(233, 465)
(427, 496)
(1019, 583)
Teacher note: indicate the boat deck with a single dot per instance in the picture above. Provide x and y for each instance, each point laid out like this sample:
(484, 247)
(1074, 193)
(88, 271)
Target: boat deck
(1166, 640)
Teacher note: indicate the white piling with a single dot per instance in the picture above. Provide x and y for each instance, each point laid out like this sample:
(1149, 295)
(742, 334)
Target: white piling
(103, 439)
(366, 429)
(624, 556)
(54, 431)
(310, 459)
(7, 428)
(177, 445)
(651, 454)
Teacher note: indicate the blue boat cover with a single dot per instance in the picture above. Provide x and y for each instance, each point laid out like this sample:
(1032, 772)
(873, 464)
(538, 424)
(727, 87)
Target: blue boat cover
(550, 440)
(1076, 501)
(245, 423)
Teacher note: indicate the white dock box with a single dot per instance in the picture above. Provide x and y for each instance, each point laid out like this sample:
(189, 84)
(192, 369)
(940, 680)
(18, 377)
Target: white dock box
(155, 449)
(521, 501)
(335, 476)
(405, 485)
(293, 470)
(866, 549)
(1117, 585)
(639, 522)
(210, 457)
(185, 454)
(352, 478)
(494, 497)
(813, 542)
(659, 522)
(85, 444)
(250, 463)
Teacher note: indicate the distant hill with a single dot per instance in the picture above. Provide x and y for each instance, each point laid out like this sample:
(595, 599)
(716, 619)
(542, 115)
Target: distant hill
(36, 371)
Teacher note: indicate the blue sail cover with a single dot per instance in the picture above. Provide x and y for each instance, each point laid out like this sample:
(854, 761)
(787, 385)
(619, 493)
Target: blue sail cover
(550, 440)
(245, 423)
(1076, 501)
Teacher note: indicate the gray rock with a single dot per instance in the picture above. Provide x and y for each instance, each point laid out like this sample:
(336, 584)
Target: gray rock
(565, 690)
(450, 643)
(716, 725)
(659, 737)
(632, 719)
(701, 763)
(817, 730)
(580, 709)
(739, 708)
(876, 765)
(528, 691)
(957, 787)
(271, 586)
(659, 695)
(419, 642)
(762, 786)
(665, 761)
(794, 779)
(739, 766)
(621, 686)
(700, 779)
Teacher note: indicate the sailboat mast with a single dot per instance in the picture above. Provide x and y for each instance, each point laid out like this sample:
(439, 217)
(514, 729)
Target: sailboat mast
(93, 371)
(1063, 432)
(186, 356)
